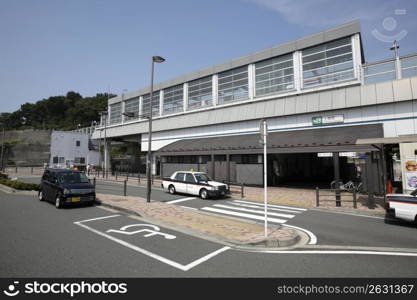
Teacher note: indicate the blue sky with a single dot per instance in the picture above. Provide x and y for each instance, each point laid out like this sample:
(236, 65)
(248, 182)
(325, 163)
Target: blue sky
(49, 47)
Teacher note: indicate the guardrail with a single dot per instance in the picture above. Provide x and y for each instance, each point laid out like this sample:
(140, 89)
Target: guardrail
(336, 195)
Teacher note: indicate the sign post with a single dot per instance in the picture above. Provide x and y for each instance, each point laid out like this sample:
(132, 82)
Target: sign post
(263, 128)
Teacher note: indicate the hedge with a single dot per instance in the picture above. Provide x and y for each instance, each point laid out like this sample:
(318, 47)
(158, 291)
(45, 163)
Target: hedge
(18, 185)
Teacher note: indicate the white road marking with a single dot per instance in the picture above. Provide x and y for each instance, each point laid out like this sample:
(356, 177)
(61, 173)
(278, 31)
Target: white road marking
(269, 208)
(181, 200)
(100, 218)
(232, 213)
(153, 255)
(193, 208)
(254, 211)
(313, 238)
(271, 205)
(341, 252)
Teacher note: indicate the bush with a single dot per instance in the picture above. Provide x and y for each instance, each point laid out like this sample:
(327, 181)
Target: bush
(18, 185)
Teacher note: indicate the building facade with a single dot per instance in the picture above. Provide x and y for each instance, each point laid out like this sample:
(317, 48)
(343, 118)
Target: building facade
(72, 149)
(319, 98)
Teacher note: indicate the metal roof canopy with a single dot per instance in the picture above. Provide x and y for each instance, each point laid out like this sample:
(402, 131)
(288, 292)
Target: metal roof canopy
(321, 139)
(390, 140)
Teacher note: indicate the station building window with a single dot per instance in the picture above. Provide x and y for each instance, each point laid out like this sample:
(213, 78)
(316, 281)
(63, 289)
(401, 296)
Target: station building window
(274, 75)
(182, 159)
(146, 104)
(116, 113)
(247, 158)
(79, 160)
(233, 85)
(200, 93)
(132, 106)
(173, 99)
(328, 63)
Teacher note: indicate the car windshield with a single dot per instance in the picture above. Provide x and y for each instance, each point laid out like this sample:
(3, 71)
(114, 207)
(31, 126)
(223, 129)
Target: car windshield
(73, 177)
(202, 177)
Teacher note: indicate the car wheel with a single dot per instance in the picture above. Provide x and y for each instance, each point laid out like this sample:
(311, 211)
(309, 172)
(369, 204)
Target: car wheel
(171, 189)
(203, 194)
(58, 203)
(40, 196)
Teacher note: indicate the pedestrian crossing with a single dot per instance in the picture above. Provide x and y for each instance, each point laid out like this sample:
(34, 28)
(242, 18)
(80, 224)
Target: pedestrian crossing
(278, 214)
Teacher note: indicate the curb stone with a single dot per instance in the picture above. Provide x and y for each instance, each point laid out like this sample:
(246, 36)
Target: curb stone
(261, 244)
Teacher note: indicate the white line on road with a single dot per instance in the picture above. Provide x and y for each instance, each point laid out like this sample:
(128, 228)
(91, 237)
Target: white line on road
(341, 252)
(180, 200)
(269, 208)
(205, 258)
(313, 238)
(193, 208)
(153, 255)
(100, 218)
(271, 205)
(254, 211)
(232, 213)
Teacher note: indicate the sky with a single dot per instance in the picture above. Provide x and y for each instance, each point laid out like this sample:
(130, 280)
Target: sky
(50, 47)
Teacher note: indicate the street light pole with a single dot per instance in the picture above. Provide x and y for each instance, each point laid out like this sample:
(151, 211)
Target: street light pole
(155, 59)
(2, 150)
(394, 48)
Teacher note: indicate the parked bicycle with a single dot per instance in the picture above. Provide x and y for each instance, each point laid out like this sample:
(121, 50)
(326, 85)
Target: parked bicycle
(349, 186)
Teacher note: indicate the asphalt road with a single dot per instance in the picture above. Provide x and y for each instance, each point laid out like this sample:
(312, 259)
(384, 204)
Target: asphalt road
(41, 241)
(117, 188)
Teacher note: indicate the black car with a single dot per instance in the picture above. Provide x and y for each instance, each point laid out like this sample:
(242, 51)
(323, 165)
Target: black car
(65, 186)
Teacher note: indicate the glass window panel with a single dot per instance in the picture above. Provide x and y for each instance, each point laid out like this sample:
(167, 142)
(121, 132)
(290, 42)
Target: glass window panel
(328, 63)
(272, 73)
(314, 57)
(380, 68)
(132, 106)
(380, 77)
(116, 113)
(173, 99)
(146, 104)
(339, 51)
(237, 78)
(409, 62)
(200, 93)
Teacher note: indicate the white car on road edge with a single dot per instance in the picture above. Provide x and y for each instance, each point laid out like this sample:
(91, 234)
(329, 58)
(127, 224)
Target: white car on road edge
(194, 183)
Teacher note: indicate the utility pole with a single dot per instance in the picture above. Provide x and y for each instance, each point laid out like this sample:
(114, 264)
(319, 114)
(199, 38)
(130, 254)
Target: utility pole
(155, 59)
(2, 150)
(263, 128)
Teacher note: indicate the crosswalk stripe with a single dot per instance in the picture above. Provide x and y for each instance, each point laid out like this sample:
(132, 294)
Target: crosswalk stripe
(271, 205)
(269, 208)
(249, 216)
(180, 200)
(254, 211)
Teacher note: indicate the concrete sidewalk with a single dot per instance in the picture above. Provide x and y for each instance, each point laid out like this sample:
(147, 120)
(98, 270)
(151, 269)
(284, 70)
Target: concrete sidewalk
(238, 233)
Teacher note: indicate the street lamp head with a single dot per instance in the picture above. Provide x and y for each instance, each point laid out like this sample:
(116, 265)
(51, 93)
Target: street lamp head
(158, 59)
(394, 46)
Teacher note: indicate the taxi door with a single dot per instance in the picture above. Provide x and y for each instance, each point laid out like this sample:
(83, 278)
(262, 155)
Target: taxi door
(192, 186)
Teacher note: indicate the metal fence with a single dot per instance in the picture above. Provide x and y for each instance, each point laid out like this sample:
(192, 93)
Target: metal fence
(336, 195)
